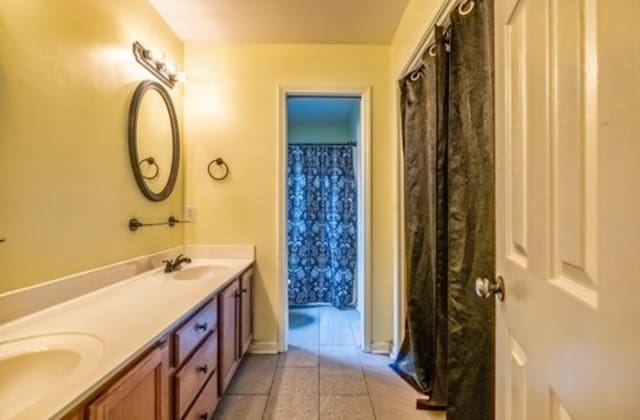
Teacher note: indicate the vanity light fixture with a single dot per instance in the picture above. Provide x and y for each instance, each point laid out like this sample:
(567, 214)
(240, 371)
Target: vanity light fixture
(155, 61)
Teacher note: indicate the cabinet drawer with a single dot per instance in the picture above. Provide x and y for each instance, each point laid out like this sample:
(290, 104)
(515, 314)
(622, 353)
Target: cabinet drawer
(207, 401)
(194, 331)
(195, 372)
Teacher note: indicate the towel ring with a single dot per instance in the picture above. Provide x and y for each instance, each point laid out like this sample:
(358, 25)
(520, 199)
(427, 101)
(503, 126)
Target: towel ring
(466, 7)
(152, 162)
(218, 162)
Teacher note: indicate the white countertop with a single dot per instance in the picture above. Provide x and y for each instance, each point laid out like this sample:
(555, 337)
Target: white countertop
(126, 317)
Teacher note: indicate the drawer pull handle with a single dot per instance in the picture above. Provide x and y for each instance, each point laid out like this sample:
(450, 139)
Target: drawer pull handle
(244, 290)
(201, 326)
(203, 368)
(204, 416)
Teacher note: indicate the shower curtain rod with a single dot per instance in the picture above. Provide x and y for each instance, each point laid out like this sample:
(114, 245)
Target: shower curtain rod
(325, 144)
(440, 19)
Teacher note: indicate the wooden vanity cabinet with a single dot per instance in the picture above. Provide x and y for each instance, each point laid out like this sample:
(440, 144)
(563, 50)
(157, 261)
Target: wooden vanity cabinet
(184, 375)
(141, 394)
(236, 326)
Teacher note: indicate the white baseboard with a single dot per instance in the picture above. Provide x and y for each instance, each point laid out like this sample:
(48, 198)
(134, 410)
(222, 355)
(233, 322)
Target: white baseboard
(263, 347)
(381, 347)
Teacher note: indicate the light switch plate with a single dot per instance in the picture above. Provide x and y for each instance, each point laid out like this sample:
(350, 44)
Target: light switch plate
(189, 213)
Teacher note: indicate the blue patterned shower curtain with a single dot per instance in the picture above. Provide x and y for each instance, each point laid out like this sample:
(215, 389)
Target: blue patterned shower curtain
(322, 224)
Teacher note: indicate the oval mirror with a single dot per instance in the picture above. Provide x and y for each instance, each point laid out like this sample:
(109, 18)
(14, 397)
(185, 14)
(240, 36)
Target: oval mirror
(154, 142)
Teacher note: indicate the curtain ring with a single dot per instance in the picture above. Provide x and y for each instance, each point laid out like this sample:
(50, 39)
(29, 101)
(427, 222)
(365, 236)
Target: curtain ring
(415, 75)
(466, 7)
(152, 162)
(432, 50)
(223, 164)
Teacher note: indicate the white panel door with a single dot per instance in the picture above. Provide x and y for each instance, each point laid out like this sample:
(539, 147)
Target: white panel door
(568, 209)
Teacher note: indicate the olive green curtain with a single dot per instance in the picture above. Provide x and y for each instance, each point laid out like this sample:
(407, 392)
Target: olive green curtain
(448, 134)
(422, 358)
(471, 214)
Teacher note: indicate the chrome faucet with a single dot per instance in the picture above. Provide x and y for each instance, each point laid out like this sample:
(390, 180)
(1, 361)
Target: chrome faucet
(176, 265)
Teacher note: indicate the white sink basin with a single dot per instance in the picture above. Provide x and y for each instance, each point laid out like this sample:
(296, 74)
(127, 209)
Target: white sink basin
(34, 368)
(200, 272)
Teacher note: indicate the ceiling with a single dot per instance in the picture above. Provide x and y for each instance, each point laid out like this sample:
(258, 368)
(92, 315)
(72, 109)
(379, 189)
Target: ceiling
(321, 110)
(283, 21)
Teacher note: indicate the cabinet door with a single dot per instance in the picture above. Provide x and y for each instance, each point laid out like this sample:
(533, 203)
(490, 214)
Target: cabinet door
(228, 334)
(246, 311)
(141, 394)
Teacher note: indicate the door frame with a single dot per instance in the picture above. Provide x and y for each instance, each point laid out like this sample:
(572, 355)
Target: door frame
(364, 205)
(412, 61)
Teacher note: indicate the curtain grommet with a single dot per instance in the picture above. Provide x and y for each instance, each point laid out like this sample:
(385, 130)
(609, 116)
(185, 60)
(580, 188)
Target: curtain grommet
(466, 7)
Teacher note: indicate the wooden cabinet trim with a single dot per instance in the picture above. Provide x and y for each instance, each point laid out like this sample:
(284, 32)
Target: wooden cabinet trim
(246, 311)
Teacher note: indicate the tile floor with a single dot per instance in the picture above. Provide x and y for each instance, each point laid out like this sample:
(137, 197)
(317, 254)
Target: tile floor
(323, 376)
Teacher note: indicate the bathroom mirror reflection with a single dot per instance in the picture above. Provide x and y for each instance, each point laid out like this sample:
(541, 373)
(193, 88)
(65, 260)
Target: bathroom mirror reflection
(153, 140)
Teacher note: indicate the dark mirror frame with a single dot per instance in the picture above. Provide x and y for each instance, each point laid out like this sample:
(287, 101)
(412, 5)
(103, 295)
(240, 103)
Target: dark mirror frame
(134, 108)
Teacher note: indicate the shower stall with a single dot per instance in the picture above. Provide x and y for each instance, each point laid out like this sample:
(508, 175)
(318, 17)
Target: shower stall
(449, 212)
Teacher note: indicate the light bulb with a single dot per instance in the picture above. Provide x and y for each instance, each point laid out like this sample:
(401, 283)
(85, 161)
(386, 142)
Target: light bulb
(170, 68)
(180, 76)
(155, 55)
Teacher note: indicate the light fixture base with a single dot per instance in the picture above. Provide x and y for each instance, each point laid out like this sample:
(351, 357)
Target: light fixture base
(147, 63)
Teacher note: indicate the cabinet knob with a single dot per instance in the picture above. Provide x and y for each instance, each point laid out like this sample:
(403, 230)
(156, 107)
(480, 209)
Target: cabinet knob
(203, 368)
(201, 326)
(244, 290)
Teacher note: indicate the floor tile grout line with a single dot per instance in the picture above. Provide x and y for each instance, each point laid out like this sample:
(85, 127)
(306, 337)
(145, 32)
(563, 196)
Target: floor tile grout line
(366, 384)
(273, 379)
(355, 362)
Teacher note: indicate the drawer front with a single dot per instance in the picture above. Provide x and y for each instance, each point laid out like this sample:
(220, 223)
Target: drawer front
(207, 401)
(195, 372)
(191, 334)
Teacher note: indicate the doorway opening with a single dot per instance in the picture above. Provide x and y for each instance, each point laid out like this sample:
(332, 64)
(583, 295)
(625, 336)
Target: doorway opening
(324, 220)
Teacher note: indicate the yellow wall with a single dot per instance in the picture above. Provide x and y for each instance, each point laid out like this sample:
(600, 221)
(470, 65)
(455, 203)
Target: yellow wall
(415, 21)
(231, 108)
(66, 78)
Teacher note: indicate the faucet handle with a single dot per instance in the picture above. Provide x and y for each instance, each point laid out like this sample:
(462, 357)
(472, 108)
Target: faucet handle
(168, 266)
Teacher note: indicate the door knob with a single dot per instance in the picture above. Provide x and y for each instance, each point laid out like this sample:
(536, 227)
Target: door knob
(486, 287)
